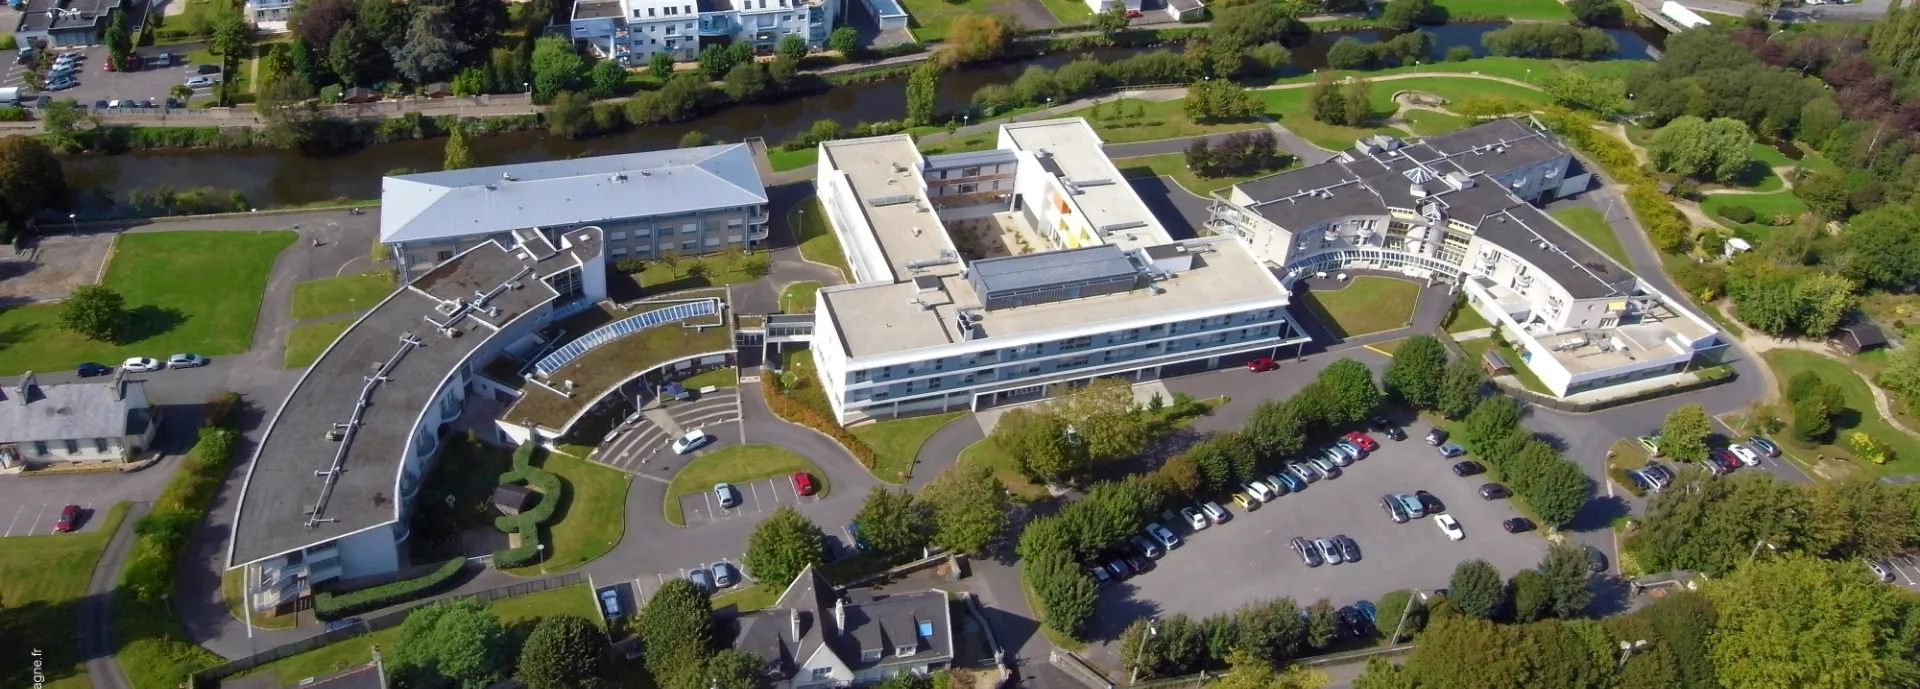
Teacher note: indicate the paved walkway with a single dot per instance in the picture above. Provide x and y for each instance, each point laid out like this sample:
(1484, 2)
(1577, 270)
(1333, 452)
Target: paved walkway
(96, 642)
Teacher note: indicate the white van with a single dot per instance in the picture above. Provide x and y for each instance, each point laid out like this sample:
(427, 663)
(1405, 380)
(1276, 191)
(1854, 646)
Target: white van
(10, 96)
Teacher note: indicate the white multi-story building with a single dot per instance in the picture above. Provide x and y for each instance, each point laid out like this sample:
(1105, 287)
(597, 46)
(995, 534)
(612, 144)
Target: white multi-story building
(1459, 207)
(1005, 275)
(633, 30)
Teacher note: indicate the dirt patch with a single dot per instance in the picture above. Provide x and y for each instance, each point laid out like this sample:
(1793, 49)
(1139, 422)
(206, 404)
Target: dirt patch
(51, 267)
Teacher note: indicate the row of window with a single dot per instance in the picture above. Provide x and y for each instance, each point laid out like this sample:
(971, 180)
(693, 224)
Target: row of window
(688, 228)
(688, 245)
(1071, 344)
(1151, 349)
(41, 448)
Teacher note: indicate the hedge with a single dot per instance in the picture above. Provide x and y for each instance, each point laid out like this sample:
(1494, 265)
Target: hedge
(162, 534)
(332, 606)
(528, 523)
(794, 412)
(1739, 214)
(1619, 476)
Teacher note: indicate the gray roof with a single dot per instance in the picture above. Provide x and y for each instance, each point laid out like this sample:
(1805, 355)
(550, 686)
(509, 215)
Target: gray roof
(892, 621)
(970, 158)
(38, 15)
(281, 486)
(1582, 270)
(30, 411)
(488, 200)
(596, 9)
(1523, 145)
(808, 601)
(1006, 273)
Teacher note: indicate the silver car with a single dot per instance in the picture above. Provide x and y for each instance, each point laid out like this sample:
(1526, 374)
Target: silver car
(1305, 471)
(1326, 466)
(1329, 551)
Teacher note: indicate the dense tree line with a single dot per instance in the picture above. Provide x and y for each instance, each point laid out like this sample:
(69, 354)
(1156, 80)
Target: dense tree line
(1239, 153)
(1345, 102)
(1404, 49)
(1713, 525)
(1550, 41)
(1081, 77)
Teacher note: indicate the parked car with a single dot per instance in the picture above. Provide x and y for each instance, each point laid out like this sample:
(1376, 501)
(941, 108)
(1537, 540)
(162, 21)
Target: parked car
(1327, 467)
(1215, 512)
(1596, 560)
(1468, 468)
(1101, 577)
(1394, 509)
(610, 602)
(726, 494)
(1135, 561)
(1276, 485)
(1164, 535)
(1329, 551)
(203, 69)
(1147, 547)
(1650, 443)
(723, 575)
(1259, 490)
(1195, 520)
(1368, 610)
(1725, 458)
(1449, 526)
(91, 369)
(1309, 554)
(693, 440)
(162, 60)
(1293, 482)
(1517, 525)
(1365, 442)
(1745, 454)
(1765, 446)
(1450, 451)
(1436, 436)
(1387, 428)
(1349, 550)
(1641, 480)
(69, 519)
(1262, 365)
(61, 83)
(351, 621)
(803, 483)
(1118, 568)
(1303, 471)
(1494, 491)
(1428, 503)
(99, 105)
(1880, 570)
(200, 82)
(141, 364)
(184, 360)
(1246, 502)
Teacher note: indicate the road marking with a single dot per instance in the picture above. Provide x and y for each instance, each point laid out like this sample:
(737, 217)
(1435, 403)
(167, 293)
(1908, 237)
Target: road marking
(1903, 573)
(16, 520)
(37, 518)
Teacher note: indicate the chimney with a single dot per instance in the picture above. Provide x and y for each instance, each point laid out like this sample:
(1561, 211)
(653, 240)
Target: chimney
(25, 391)
(793, 614)
(840, 616)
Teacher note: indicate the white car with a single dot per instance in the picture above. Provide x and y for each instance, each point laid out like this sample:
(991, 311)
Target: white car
(1450, 527)
(186, 361)
(1194, 518)
(1259, 490)
(1215, 512)
(1746, 455)
(1164, 535)
(693, 440)
(141, 363)
(199, 82)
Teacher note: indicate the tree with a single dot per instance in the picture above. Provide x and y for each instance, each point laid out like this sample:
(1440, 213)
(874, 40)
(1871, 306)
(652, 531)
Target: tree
(969, 507)
(563, 652)
(353, 57)
(478, 23)
(844, 39)
(1716, 150)
(1065, 593)
(232, 38)
(727, 669)
(30, 179)
(1556, 489)
(660, 65)
(792, 47)
(1113, 21)
(1605, 97)
(1884, 244)
(976, 36)
(1321, 623)
(1531, 597)
(556, 67)
(1565, 569)
(316, 21)
(1902, 375)
(1270, 630)
(95, 312)
(923, 87)
(676, 629)
(1414, 375)
(431, 51)
(782, 545)
(119, 40)
(1237, 29)
(453, 643)
(1326, 100)
(1350, 53)
(748, 81)
(1274, 430)
(1493, 418)
(1683, 434)
(1402, 15)
(1859, 517)
(1825, 193)
(1039, 440)
(1546, 40)
(1712, 525)
(606, 79)
(459, 155)
(1795, 621)
(386, 22)
(694, 138)
(893, 522)
(1596, 12)
(1812, 421)
(1351, 385)
(1248, 671)
(1460, 385)
(1105, 420)
(1476, 589)
(1381, 673)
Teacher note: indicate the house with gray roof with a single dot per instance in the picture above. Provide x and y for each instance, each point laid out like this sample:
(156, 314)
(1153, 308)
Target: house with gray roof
(684, 201)
(74, 423)
(817, 636)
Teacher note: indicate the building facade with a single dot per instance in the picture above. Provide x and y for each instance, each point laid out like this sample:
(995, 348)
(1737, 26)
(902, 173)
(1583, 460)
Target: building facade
(817, 636)
(1460, 208)
(269, 15)
(74, 423)
(633, 30)
(1008, 275)
(73, 23)
(687, 201)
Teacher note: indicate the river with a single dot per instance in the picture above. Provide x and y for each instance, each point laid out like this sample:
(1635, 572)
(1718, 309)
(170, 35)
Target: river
(273, 176)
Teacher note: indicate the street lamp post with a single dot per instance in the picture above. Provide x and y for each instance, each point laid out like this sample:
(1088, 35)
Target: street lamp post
(73, 219)
(1756, 548)
(1626, 650)
(541, 553)
(1142, 648)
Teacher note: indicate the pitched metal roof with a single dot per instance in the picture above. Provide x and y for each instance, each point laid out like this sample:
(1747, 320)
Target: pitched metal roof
(488, 200)
(74, 411)
(994, 275)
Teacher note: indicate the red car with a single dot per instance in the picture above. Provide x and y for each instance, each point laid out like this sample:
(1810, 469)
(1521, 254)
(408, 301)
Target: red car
(1363, 440)
(69, 518)
(1262, 365)
(1133, 14)
(803, 483)
(1726, 459)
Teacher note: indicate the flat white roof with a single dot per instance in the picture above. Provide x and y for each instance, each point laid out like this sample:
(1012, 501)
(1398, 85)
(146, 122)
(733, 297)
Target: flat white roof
(1104, 197)
(884, 170)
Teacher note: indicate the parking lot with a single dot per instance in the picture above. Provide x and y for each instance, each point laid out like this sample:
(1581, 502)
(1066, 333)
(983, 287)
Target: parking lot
(757, 498)
(29, 505)
(1249, 558)
(38, 519)
(95, 83)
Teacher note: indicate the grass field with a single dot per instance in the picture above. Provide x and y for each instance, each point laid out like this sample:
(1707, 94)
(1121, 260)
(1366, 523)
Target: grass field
(799, 297)
(1174, 165)
(1522, 68)
(932, 18)
(1367, 304)
(1005, 467)
(42, 579)
(344, 294)
(897, 442)
(715, 270)
(184, 291)
(1289, 107)
(1541, 10)
(305, 343)
(591, 518)
(1431, 122)
(1148, 120)
(719, 378)
(1860, 416)
(1593, 227)
(783, 160)
(1765, 208)
(1520, 370)
(1467, 319)
(737, 464)
(977, 141)
(572, 600)
(1454, 89)
(817, 242)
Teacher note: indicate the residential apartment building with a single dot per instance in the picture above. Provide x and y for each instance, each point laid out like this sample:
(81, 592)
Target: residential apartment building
(330, 488)
(816, 636)
(1460, 208)
(1007, 275)
(70, 23)
(633, 30)
(74, 423)
(686, 201)
(269, 15)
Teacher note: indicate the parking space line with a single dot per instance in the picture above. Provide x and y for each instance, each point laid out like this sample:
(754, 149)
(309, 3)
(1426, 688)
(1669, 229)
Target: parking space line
(755, 486)
(1902, 571)
(37, 518)
(16, 520)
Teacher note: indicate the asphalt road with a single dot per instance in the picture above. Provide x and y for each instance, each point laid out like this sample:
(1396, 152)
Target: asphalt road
(103, 672)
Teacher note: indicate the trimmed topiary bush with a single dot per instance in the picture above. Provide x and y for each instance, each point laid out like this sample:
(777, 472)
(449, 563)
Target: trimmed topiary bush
(1736, 213)
(528, 523)
(332, 606)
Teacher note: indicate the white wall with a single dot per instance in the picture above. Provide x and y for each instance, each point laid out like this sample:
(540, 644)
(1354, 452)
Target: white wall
(368, 553)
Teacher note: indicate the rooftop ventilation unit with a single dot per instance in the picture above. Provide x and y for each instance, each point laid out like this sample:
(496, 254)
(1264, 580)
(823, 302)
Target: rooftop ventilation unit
(893, 200)
(1100, 182)
(1116, 227)
(507, 177)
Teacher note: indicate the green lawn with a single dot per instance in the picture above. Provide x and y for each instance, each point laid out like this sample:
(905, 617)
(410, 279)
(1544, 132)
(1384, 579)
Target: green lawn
(1765, 208)
(798, 297)
(1148, 120)
(708, 270)
(1521, 68)
(737, 464)
(783, 160)
(306, 342)
(184, 292)
(930, 19)
(1860, 416)
(598, 370)
(1289, 107)
(591, 518)
(1005, 467)
(1593, 227)
(897, 442)
(1454, 89)
(1465, 319)
(344, 294)
(748, 598)
(1175, 165)
(1520, 370)
(1431, 122)
(977, 141)
(42, 580)
(817, 241)
(719, 378)
(1542, 10)
(571, 600)
(1367, 304)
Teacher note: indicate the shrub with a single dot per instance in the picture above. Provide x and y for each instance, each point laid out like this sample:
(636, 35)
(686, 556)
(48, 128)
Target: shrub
(793, 411)
(528, 523)
(1459, 53)
(223, 411)
(1739, 214)
(162, 535)
(629, 265)
(328, 605)
(13, 113)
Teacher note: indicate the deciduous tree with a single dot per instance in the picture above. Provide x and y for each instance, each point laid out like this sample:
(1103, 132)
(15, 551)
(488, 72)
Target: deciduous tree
(95, 312)
(1683, 434)
(782, 545)
(977, 36)
(676, 629)
(30, 178)
(556, 67)
(1414, 375)
(660, 65)
(748, 81)
(563, 652)
(893, 522)
(923, 88)
(1460, 385)
(1270, 630)
(1476, 589)
(1321, 623)
(1039, 439)
(1274, 430)
(1794, 621)
(969, 507)
(793, 47)
(1531, 598)
(606, 79)
(458, 155)
(844, 39)
(1248, 671)
(1491, 419)
(1066, 594)
(1351, 386)
(431, 51)
(1402, 15)
(458, 642)
(727, 669)
(1565, 569)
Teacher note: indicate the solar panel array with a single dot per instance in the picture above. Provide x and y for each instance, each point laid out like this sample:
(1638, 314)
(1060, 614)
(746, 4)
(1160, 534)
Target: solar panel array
(625, 326)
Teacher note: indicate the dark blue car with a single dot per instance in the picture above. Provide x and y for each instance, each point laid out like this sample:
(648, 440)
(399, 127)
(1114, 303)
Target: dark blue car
(90, 369)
